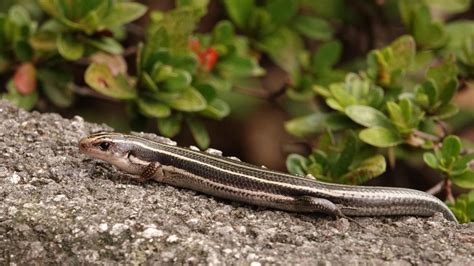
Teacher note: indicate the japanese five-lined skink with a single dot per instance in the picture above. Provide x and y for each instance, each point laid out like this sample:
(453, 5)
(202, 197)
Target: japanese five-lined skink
(227, 177)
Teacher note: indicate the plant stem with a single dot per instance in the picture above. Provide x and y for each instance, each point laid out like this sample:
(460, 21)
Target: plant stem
(427, 136)
(86, 91)
(436, 188)
(443, 127)
(252, 92)
(449, 191)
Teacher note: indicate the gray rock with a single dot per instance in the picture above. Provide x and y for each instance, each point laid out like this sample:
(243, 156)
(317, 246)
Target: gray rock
(60, 207)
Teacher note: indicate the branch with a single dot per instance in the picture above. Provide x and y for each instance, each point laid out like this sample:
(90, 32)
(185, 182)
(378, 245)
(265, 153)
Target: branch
(449, 191)
(252, 92)
(86, 91)
(129, 51)
(436, 188)
(427, 136)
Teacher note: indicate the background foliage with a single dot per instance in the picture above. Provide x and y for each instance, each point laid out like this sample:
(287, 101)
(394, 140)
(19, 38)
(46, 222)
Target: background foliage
(366, 84)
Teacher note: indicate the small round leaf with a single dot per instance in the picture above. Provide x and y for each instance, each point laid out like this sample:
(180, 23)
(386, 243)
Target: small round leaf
(380, 137)
(69, 48)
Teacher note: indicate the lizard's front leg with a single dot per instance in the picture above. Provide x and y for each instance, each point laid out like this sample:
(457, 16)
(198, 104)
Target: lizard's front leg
(152, 171)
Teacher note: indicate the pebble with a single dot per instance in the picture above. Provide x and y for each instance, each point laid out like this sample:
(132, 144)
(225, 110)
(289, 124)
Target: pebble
(103, 227)
(117, 229)
(172, 239)
(14, 178)
(152, 232)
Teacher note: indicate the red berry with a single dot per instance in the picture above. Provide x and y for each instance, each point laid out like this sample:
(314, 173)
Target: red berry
(211, 56)
(194, 45)
(25, 78)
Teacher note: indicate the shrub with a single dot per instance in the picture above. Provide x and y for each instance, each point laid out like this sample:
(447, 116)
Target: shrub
(359, 108)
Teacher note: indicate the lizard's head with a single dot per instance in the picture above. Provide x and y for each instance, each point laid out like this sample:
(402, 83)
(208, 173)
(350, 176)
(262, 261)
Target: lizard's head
(113, 148)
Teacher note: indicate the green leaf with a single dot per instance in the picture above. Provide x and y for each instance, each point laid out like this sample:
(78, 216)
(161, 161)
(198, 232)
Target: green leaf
(148, 82)
(347, 155)
(368, 169)
(404, 50)
(404, 116)
(100, 78)
(179, 80)
(155, 49)
(430, 160)
(318, 157)
(207, 91)
(355, 90)
(57, 85)
(281, 11)
(447, 93)
(239, 11)
(462, 164)
(395, 113)
(464, 180)
(122, 13)
(235, 67)
(454, 6)
(88, 14)
(260, 22)
(106, 44)
(68, 47)
(23, 50)
(161, 72)
(172, 32)
(199, 5)
(470, 205)
(296, 164)
(460, 34)
(42, 41)
(417, 18)
(317, 170)
(313, 27)
(380, 137)
(451, 147)
(300, 93)
(368, 116)
(199, 132)
(26, 102)
(284, 48)
(326, 56)
(216, 109)
(187, 62)
(188, 100)
(460, 213)
(388, 65)
(463, 208)
(407, 110)
(223, 32)
(220, 84)
(19, 15)
(431, 91)
(171, 125)
(153, 108)
(341, 97)
(443, 73)
(317, 123)
(446, 111)
(49, 7)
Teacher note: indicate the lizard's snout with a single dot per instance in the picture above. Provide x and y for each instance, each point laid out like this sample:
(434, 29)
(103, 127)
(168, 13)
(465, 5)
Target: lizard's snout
(83, 145)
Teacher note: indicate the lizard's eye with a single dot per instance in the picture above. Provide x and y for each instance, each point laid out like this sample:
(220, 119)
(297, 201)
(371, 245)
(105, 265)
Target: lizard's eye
(103, 146)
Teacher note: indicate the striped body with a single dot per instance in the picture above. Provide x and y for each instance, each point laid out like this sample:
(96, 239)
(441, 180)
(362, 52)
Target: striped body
(231, 179)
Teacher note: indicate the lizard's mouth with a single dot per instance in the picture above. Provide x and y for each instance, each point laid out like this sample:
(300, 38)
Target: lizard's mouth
(130, 156)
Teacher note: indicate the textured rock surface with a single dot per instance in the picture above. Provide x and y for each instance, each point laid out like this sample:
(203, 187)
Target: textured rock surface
(57, 206)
